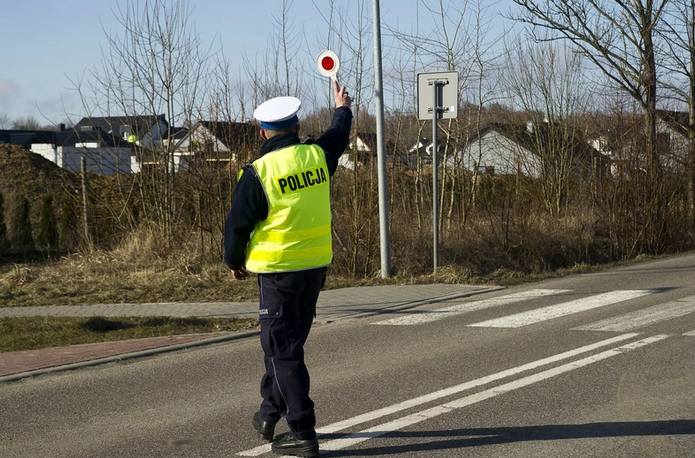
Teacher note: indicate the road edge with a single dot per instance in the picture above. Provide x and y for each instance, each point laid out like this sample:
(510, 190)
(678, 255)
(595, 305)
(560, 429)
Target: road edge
(232, 337)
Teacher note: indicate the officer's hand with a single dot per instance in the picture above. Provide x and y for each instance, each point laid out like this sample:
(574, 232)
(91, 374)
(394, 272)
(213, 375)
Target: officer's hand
(342, 99)
(241, 274)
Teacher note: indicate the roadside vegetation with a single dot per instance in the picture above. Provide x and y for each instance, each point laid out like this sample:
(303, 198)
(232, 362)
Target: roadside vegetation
(32, 333)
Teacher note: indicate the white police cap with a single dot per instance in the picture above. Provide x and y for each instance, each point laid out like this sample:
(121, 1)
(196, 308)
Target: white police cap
(278, 112)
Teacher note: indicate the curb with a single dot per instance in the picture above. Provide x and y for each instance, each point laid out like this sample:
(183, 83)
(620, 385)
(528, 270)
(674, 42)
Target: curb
(126, 356)
(416, 303)
(228, 338)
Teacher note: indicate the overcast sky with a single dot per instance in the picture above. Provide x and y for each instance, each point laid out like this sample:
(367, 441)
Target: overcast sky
(48, 45)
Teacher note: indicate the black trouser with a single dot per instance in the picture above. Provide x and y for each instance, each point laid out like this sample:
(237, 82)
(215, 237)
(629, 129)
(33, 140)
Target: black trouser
(287, 309)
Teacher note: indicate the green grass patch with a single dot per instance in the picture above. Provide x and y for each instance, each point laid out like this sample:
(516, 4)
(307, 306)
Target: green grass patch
(31, 333)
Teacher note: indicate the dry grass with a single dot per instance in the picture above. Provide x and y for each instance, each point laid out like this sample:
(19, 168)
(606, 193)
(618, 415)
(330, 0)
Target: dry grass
(146, 268)
(137, 271)
(149, 268)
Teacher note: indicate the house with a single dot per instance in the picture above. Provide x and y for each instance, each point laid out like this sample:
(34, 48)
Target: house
(529, 150)
(625, 143)
(209, 142)
(423, 149)
(672, 139)
(145, 131)
(103, 153)
(362, 150)
(502, 149)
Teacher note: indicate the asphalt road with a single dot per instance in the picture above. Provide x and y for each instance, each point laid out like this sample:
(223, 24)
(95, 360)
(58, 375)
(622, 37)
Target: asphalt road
(592, 365)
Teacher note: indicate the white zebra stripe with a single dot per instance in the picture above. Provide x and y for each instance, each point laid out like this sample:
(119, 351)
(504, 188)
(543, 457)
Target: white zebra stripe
(460, 309)
(566, 308)
(645, 317)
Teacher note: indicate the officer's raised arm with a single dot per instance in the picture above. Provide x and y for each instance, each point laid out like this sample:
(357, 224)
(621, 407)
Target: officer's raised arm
(337, 137)
(342, 98)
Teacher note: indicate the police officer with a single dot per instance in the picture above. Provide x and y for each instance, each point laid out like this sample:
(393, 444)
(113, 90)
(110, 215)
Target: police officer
(280, 228)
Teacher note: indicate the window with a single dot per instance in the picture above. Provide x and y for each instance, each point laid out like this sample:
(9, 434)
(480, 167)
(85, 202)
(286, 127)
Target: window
(125, 131)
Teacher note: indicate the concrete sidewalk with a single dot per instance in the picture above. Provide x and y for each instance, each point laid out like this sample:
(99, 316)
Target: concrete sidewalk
(332, 305)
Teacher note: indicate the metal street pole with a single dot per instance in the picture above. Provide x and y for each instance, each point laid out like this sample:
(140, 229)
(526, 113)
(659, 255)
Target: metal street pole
(442, 105)
(381, 149)
(435, 187)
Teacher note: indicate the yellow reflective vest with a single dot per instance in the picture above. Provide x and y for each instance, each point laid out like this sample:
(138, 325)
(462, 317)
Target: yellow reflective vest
(296, 235)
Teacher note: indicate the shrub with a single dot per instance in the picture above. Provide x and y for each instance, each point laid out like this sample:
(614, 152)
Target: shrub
(21, 225)
(68, 231)
(4, 242)
(48, 233)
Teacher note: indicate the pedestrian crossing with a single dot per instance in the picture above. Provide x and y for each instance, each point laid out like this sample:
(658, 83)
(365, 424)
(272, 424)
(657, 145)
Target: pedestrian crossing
(645, 317)
(460, 309)
(563, 309)
(631, 321)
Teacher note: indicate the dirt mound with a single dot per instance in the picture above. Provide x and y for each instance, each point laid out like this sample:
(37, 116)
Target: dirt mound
(24, 172)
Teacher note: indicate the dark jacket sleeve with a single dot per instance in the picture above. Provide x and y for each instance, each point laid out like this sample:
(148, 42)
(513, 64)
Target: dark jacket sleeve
(336, 138)
(250, 205)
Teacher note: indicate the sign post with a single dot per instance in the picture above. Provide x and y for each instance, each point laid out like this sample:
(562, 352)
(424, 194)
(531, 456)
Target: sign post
(328, 64)
(381, 147)
(437, 99)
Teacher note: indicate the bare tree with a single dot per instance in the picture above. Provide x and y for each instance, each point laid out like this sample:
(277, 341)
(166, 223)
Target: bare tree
(156, 65)
(618, 37)
(5, 121)
(678, 31)
(278, 71)
(547, 83)
(287, 57)
(26, 123)
(359, 242)
(482, 92)
(461, 41)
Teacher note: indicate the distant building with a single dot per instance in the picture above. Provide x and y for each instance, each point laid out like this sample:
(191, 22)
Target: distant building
(215, 142)
(103, 153)
(530, 150)
(672, 139)
(362, 150)
(625, 144)
(423, 149)
(145, 131)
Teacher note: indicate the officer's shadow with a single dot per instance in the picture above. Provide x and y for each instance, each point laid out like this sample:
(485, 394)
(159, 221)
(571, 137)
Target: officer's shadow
(475, 437)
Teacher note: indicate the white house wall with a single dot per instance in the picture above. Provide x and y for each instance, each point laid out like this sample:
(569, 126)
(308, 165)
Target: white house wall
(134, 165)
(183, 151)
(202, 135)
(47, 151)
(362, 146)
(346, 162)
(678, 148)
(495, 150)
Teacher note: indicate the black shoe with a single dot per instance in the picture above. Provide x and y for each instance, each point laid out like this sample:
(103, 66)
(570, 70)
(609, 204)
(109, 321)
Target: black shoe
(288, 445)
(265, 429)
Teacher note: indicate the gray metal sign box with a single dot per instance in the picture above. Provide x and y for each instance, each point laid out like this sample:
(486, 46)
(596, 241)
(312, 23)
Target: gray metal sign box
(448, 95)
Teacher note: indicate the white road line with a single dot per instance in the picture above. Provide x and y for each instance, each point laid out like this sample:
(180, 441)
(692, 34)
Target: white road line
(409, 420)
(459, 309)
(376, 414)
(690, 334)
(645, 317)
(558, 310)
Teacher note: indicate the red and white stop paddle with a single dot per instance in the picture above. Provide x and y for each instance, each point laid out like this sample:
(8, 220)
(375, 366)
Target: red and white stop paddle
(328, 64)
